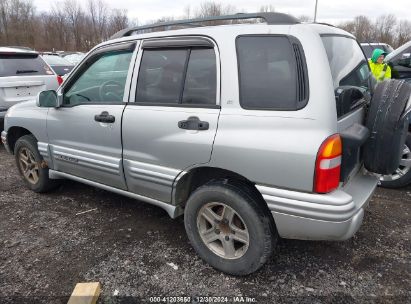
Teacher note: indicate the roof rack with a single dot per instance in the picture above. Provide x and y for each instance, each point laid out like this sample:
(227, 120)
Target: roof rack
(269, 18)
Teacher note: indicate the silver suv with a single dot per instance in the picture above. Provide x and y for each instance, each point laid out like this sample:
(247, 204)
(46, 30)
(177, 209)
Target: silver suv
(23, 74)
(240, 127)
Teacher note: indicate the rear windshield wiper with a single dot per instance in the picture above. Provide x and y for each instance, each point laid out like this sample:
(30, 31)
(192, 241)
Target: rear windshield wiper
(26, 71)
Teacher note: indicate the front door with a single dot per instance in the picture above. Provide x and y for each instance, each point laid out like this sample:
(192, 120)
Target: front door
(85, 132)
(171, 122)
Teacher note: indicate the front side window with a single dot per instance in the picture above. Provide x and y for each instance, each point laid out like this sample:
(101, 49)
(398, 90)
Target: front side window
(268, 73)
(103, 81)
(177, 76)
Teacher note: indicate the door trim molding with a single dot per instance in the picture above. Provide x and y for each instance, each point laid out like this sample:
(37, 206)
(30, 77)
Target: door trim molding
(173, 211)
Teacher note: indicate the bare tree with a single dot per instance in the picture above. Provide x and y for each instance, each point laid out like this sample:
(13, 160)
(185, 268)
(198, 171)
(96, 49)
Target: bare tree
(4, 21)
(385, 28)
(304, 18)
(98, 16)
(361, 27)
(269, 8)
(403, 32)
(118, 20)
(75, 21)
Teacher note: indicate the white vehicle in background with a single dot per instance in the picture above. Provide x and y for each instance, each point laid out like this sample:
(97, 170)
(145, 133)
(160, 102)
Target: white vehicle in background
(23, 74)
(369, 47)
(74, 58)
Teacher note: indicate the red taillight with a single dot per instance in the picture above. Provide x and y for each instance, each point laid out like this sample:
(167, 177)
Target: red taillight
(328, 165)
(60, 79)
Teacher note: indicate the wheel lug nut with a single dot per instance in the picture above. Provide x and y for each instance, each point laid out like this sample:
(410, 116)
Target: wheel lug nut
(217, 231)
(227, 238)
(233, 232)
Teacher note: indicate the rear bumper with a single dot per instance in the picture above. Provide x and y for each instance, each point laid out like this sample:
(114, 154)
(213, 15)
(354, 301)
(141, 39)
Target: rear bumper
(308, 216)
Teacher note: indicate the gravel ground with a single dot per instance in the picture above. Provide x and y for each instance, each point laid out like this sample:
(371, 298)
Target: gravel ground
(136, 252)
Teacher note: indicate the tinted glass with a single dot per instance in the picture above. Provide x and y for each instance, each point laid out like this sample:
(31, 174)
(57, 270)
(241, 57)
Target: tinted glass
(367, 50)
(103, 81)
(201, 78)
(267, 72)
(347, 62)
(22, 65)
(161, 76)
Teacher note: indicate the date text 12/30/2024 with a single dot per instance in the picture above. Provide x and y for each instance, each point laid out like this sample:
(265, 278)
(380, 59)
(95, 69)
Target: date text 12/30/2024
(202, 299)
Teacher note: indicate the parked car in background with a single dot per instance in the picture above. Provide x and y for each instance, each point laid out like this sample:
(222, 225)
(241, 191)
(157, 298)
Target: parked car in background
(400, 62)
(368, 48)
(23, 74)
(59, 65)
(20, 47)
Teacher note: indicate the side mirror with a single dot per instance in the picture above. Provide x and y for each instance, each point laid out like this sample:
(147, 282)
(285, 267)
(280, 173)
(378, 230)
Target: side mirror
(348, 98)
(48, 99)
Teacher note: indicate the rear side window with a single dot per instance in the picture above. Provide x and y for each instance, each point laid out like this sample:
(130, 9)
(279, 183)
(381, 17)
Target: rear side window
(271, 73)
(23, 65)
(348, 65)
(201, 78)
(177, 76)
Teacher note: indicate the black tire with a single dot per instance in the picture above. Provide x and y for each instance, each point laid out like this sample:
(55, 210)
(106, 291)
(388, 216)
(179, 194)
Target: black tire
(249, 208)
(395, 180)
(28, 144)
(388, 129)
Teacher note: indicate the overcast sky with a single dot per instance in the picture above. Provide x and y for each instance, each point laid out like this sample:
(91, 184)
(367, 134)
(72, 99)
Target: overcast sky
(332, 11)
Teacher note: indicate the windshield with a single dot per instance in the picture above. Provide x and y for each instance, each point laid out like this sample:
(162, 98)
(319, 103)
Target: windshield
(348, 65)
(55, 60)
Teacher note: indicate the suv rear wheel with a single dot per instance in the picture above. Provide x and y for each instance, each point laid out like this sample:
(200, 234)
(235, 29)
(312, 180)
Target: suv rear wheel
(30, 165)
(229, 227)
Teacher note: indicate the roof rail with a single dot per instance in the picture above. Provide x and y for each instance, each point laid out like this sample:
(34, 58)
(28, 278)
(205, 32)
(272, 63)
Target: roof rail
(269, 18)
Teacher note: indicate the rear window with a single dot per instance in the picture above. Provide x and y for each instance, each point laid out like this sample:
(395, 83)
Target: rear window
(348, 65)
(270, 76)
(23, 65)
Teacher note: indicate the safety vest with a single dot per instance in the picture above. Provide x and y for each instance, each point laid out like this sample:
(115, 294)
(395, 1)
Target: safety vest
(380, 71)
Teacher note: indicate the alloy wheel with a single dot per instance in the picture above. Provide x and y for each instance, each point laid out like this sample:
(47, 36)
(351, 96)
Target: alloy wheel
(223, 230)
(28, 165)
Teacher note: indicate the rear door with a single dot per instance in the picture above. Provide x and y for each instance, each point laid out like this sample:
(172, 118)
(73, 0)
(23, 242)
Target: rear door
(171, 121)
(349, 69)
(22, 77)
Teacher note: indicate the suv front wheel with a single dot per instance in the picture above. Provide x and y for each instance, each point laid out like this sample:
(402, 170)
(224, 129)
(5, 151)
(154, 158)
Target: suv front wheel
(229, 227)
(31, 165)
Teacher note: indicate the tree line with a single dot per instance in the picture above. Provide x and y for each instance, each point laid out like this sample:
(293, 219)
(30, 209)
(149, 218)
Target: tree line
(74, 25)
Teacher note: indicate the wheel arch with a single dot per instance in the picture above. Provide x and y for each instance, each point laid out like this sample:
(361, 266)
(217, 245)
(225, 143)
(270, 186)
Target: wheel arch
(13, 135)
(200, 176)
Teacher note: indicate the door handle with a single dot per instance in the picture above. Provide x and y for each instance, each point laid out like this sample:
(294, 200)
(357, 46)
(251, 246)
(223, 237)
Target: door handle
(105, 117)
(193, 123)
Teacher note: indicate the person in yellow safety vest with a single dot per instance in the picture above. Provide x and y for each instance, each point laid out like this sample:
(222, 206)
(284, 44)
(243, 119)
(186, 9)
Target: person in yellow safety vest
(379, 69)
